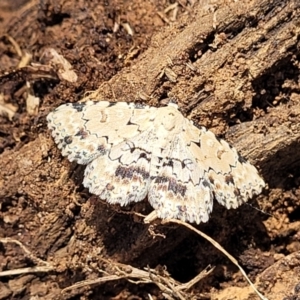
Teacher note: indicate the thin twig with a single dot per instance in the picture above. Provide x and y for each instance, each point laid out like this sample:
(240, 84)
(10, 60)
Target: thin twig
(44, 266)
(219, 247)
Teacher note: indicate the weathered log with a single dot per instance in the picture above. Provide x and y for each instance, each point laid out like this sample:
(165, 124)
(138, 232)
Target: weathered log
(215, 66)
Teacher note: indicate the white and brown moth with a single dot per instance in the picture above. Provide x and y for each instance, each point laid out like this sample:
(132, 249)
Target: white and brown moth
(133, 151)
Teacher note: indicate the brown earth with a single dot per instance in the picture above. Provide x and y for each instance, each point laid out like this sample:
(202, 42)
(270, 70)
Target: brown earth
(233, 66)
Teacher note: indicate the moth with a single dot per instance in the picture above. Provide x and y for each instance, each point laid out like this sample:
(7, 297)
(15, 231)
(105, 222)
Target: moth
(133, 151)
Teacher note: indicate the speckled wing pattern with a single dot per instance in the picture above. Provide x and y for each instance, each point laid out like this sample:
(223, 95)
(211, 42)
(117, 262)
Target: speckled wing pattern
(133, 151)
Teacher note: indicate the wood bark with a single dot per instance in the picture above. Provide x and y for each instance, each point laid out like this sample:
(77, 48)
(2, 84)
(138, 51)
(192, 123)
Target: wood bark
(219, 65)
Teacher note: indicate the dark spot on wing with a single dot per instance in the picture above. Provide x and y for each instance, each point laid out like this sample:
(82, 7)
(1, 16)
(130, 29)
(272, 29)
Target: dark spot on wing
(218, 139)
(185, 163)
(229, 179)
(78, 106)
(131, 146)
(139, 105)
(206, 183)
(81, 155)
(110, 187)
(199, 126)
(237, 192)
(197, 143)
(241, 159)
(101, 149)
(161, 179)
(112, 104)
(182, 208)
(130, 172)
(68, 139)
(130, 123)
(176, 187)
(83, 134)
(211, 179)
(173, 185)
(144, 155)
(169, 163)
